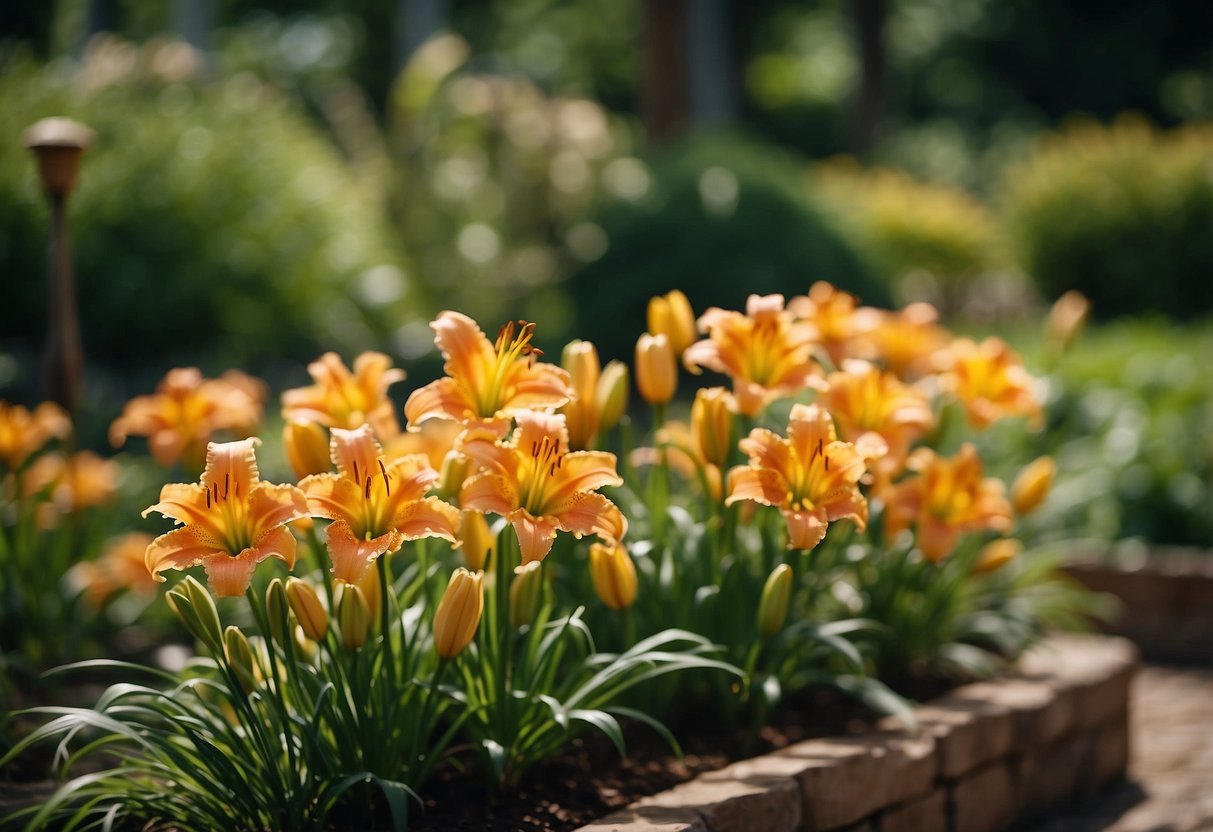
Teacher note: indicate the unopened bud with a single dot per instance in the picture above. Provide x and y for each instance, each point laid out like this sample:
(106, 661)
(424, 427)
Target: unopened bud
(671, 315)
(475, 539)
(1067, 318)
(1032, 485)
(996, 554)
(776, 595)
(372, 591)
(196, 609)
(458, 613)
(612, 394)
(455, 469)
(307, 447)
(713, 415)
(308, 609)
(240, 658)
(277, 611)
(526, 592)
(656, 371)
(613, 575)
(353, 617)
(580, 359)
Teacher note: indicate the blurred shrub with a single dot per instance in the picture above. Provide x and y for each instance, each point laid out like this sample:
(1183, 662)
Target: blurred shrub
(932, 234)
(212, 223)
(719, 218)
(1121, 213)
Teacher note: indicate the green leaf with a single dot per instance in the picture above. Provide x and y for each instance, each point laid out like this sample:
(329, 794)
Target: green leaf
(604, 722)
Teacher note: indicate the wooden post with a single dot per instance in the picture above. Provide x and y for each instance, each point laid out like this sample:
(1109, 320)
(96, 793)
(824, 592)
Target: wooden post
(665, 99)
(58, 144)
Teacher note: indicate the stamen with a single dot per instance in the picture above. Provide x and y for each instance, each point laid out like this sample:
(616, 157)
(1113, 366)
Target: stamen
(534, 450)
(227, 484)
(356, 477)
(827, 457)
(386, 486)
(208, 498)
(366, 492)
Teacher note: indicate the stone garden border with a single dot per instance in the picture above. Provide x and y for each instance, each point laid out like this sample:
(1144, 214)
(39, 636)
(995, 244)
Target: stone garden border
(986, 755)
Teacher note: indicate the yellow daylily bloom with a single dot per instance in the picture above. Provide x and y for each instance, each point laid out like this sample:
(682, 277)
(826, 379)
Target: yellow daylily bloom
(831, 314)
(990, 381)
(81, 481)
(483, 380)
(186, 410)
(766, 353)
(905, 341)
(120, 567)
(876, 411)
(811, 476)
(22, 433)
(540, 487)
(231, 520)
(341, 399)
(375, 505)
(947, 498)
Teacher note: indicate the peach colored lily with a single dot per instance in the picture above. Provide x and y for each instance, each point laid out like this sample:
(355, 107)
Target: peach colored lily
(905, 341)
(831, 315)
(989, 380)
(483, 380)
(880, 414)
(22, 433)
(120, 567)
(375, 506)
(341, 399)
(764, 351)
(946, 499)
(74, 483)
(186, 410)
(540, 487)
(810, 476)
(231, 520)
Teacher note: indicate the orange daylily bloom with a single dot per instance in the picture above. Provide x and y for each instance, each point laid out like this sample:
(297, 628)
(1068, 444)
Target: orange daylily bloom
(81, 481)
(435, 439)
(341, 399)
(904, 341)
(990, 381)
(947, 498)
(231, 520)
(767, 354)
(811, 476)
(540, 487)
(22, 432)
(831, 315)
(186, 410)
(880, 414)
(483, 380)
(121, 566)
(375, 505)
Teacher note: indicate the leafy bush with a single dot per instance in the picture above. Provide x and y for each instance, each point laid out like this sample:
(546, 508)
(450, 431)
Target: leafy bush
(1121, 213)
(720, 218)
(215, 200)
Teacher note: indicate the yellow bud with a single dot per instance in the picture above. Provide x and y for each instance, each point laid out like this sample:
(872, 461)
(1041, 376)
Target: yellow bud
(455, 469)
(656, 371)
(996, 554)
(612, 394)
(372, 591)
(613, 574)
(240, 658)
(276, 611)
(580, 359)
(308, 609)
(776, 595)
(671, 315)
(475, 538)
(713, 415)
(1067, 318)
(526, 593)
(353, 617)
(1032, 485)
(458, 613)
(307, 447)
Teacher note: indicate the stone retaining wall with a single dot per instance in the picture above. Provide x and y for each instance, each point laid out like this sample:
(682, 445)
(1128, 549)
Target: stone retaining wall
(987, 755)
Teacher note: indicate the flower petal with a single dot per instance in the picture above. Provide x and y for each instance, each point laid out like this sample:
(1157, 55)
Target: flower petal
(179, 549)
(591, 513)
(440, 399)
(230, 576)
(231, 468)
(430, 517)
(271, 505)
(805, 528)
(535, 535)
(762, 485)
(351, 556)
(489, 493)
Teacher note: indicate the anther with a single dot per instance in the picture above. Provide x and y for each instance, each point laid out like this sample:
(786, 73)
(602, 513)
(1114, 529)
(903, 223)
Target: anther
(356, 477)
(366, 492)
(227, 485)
(386, 486)
(208, 498)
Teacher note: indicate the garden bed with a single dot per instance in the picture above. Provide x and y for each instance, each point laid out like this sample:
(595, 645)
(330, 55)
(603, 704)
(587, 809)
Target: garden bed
(988, 754)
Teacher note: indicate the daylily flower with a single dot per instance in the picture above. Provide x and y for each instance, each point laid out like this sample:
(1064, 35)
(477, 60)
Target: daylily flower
(766, 353)
(341, 399)
(1032, 485)
(231, 520)
(831, 315)
(375, 506)
(876, 411)
(656, 369)
(434, 438)
(120, 567)
(946, 499)
(22, 432)
(75, 483)
(903, 341)
(483, 380)
(811, 476)
(540, 487)
(186, 410)
(989, 380)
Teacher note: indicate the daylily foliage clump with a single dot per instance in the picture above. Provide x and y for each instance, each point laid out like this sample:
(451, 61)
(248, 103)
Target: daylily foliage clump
(494, 574)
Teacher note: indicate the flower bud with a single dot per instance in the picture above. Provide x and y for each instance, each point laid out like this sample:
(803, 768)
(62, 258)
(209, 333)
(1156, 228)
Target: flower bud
(613, 574)
(372, 592)
(776, 595)
(612, 394)
(656, 372)
(196, 609)
(458, 613)
(712, 417)
(307, 447)
(308, 609)
(240, 658)
(276, 610)
(1066, 319)
(1032, 485)
(526, 592)
(455, 469)
(580, 359)
(671, 315)
(475, 538)
(353, 617)
(996, 554)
